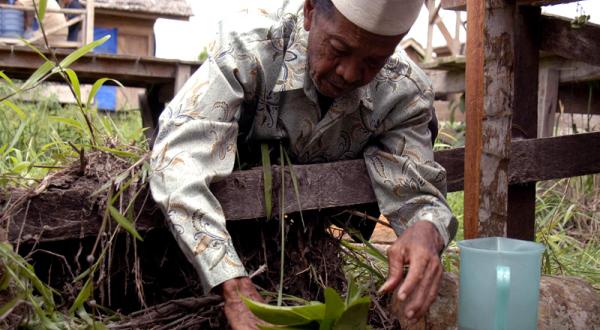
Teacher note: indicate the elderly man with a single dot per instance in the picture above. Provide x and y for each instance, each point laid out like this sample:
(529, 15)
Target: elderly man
(324, 78)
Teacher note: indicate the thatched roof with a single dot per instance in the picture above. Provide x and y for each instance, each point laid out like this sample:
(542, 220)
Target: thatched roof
(162, 8)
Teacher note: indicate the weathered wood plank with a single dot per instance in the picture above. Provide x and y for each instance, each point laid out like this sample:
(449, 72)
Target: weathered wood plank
(133, 71)
(490, 96)
(581, 44)
(462, 4)
(547, 100)
(580, 98)
(474, 76)
(66, 210)
(521, 197)
(453, 81)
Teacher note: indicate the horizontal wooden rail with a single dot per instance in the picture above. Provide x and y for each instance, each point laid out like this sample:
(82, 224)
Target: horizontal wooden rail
(346, 183)
(48, 10)
(134, 71)
(462, 4)
(579, 44)
(65, 211)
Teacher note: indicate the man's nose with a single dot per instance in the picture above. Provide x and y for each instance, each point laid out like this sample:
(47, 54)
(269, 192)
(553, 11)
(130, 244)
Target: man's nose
(350, 70)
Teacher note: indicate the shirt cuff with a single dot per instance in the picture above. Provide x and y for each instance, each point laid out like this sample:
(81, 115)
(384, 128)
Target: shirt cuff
(216, 261)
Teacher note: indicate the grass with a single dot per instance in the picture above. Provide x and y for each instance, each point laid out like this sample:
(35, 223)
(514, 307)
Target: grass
(35, 137)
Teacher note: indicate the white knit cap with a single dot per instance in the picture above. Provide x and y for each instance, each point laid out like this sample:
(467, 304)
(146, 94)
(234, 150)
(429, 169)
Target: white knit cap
(383, 17)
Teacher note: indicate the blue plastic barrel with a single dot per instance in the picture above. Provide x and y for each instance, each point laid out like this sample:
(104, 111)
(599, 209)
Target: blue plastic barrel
(11, 23)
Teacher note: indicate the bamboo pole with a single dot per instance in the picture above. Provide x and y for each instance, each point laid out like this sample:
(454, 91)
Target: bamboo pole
(89, 26)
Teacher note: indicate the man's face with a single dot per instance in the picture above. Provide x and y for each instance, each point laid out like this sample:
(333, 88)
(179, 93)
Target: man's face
(342, 56)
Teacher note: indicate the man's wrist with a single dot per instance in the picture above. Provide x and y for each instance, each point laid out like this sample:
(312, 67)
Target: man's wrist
(437, 238)
(230, 289)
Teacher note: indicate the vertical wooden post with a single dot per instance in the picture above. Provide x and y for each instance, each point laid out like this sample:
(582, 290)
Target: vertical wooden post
(457, 26)
(521, 198)
(89, 22)
(430, 9)
(489, 95)
(182, 74)
(548, 100)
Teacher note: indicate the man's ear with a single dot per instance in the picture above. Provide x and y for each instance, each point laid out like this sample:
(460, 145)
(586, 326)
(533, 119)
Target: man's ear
(309, 11)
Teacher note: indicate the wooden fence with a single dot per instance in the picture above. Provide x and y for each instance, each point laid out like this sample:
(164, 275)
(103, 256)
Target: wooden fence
(502, 160)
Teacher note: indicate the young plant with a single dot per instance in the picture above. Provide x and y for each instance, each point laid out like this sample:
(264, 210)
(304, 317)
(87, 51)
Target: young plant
(335, 314)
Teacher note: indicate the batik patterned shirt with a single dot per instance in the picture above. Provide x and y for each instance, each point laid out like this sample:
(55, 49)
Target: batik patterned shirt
(257, 73)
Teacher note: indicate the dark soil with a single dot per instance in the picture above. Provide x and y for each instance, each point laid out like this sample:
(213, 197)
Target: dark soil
(150, 284)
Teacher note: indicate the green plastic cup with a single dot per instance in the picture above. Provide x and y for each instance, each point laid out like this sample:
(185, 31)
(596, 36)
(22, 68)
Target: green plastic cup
(499, 284)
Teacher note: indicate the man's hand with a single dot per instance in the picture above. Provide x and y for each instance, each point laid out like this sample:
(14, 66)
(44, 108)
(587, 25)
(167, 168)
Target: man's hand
(238, 315)
(418, 247)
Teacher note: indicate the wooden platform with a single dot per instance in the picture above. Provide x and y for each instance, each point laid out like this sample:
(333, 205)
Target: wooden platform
(160, 77)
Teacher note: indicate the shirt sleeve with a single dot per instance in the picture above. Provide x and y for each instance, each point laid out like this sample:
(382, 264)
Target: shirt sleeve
(196, 145)
(408, 184)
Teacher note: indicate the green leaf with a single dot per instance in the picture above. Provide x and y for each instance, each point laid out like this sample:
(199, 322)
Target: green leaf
(74, 56)
(74, 83)
(68, 121)
(355, 316)
(82, 297)
(267, 180)
(354, 291)
(19, 167)
(15, 139)
(286, 315)
(16, 109)
(25, 270)
(10, 83)
(117, 152)
(38, 74)
(42, 9)
(124, 222)
(4, 281)
(95, 88)
(35, 49)
(334, 307)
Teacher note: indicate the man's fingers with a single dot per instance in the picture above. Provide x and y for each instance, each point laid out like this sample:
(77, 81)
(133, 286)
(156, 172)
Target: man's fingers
(414, 307)
(396, 270)
(416, 272)
(433, 290)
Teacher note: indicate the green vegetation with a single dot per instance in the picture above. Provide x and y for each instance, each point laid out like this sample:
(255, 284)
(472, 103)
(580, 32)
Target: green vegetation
(37, 138)
(41, 136)
(335, 313)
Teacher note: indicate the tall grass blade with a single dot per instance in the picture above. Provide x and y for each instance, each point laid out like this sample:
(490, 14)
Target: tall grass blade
(25, 270)
(42, 10)
(68, 121)
(74, 56)
(124, 222)
(267, 180)
(9, 81)
(38, 74)
(82, 297)
(282, 222)
(16, 109)
(95, 88)
(74, 83)
(35, 49)
(15, 139)
(296, 189)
